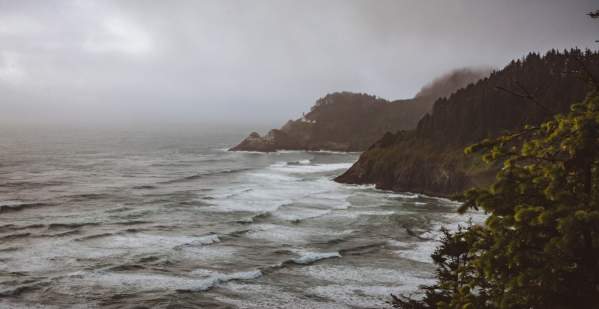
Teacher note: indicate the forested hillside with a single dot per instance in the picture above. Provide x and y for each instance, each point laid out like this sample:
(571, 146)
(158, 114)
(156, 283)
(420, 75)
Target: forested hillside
(345, 121)
(430, 158)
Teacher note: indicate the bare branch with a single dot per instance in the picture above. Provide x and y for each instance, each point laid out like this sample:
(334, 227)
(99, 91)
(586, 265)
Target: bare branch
(528, 96)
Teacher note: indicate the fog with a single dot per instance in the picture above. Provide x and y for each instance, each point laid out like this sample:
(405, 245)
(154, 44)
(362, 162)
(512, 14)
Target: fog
(252, 62)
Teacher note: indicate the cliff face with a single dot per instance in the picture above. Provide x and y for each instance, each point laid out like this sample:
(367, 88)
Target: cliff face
(430, 158)
(346, 121)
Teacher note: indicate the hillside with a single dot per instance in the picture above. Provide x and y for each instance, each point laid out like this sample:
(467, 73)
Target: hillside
(346, 121)
(430, 158)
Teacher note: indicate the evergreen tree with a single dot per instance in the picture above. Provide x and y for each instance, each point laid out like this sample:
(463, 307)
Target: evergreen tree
(539, 247)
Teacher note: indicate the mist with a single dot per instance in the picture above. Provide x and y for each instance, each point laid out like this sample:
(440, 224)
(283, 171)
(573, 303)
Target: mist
(252, 63)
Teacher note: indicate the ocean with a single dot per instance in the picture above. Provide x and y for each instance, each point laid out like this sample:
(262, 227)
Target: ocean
(134, 219)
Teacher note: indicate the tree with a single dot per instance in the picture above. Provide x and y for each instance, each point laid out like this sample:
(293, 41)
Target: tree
(539, 247)
(454, 272)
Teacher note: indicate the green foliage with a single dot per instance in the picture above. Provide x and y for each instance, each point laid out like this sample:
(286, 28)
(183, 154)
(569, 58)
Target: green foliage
(539, 247)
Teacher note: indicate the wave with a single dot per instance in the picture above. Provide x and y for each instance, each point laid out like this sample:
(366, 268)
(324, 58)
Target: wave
(445, 200)
(31, 185)
(89, 196)
(14, 236)
(366, 187)
(403, 195)
(61, 234)
(18, 290)
(9, 249)
(206, 174)
(304, 258)
(372, 274)
(206, 240)
(230, 195)
(254, 218)
(311, 257)
(299, 162)
(11, 227)
(422, 250)
(60, 226)
(190, 163)
(198, 281)
(359, 250)
(131, 239)
(217, 279)
(144, 187)
(127, 267)
(312, 168)
(297, 215)
(260, 202)
(358, 214)
(419, 251)
(94, 236)
(357, 295)
(16, 206)
(131, 222)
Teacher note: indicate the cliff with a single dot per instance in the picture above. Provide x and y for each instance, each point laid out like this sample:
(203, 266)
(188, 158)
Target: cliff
(430, 158)
(346, 121)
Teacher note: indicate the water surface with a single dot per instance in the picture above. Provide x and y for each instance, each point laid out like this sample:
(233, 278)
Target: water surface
(172, 220)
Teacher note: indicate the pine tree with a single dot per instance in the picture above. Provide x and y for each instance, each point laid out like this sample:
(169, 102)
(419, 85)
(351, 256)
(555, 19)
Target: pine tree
(539, 247)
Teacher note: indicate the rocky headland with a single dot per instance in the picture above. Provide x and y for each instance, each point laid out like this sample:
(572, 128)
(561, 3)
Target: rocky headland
(345, 121)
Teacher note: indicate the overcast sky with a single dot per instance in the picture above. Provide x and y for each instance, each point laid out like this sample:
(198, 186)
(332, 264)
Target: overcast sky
(258, 62)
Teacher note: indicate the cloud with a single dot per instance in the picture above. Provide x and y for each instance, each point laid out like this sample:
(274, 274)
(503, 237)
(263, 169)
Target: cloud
(10, 68)
(18, 25)
(120, 36)
(261, 61)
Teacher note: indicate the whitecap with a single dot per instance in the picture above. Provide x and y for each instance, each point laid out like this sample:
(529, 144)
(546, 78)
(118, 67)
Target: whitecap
(288, 163)
(361, 296)
(402, 195)
(307, 257)
(294, 235)
(422, 251)
(397, 243)
(197, 281)
(351, 275)
(314, 168)
(419, 252)
(259, 296)
(296, 213)
(279, 233)
(206, 240)
(216, 253)
(142, 241)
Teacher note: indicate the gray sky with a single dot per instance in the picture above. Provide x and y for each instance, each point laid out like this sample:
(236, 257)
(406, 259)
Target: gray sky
(255, 62)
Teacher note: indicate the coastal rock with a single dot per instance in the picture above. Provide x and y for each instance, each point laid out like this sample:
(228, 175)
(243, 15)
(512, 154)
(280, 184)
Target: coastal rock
(255, 142)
